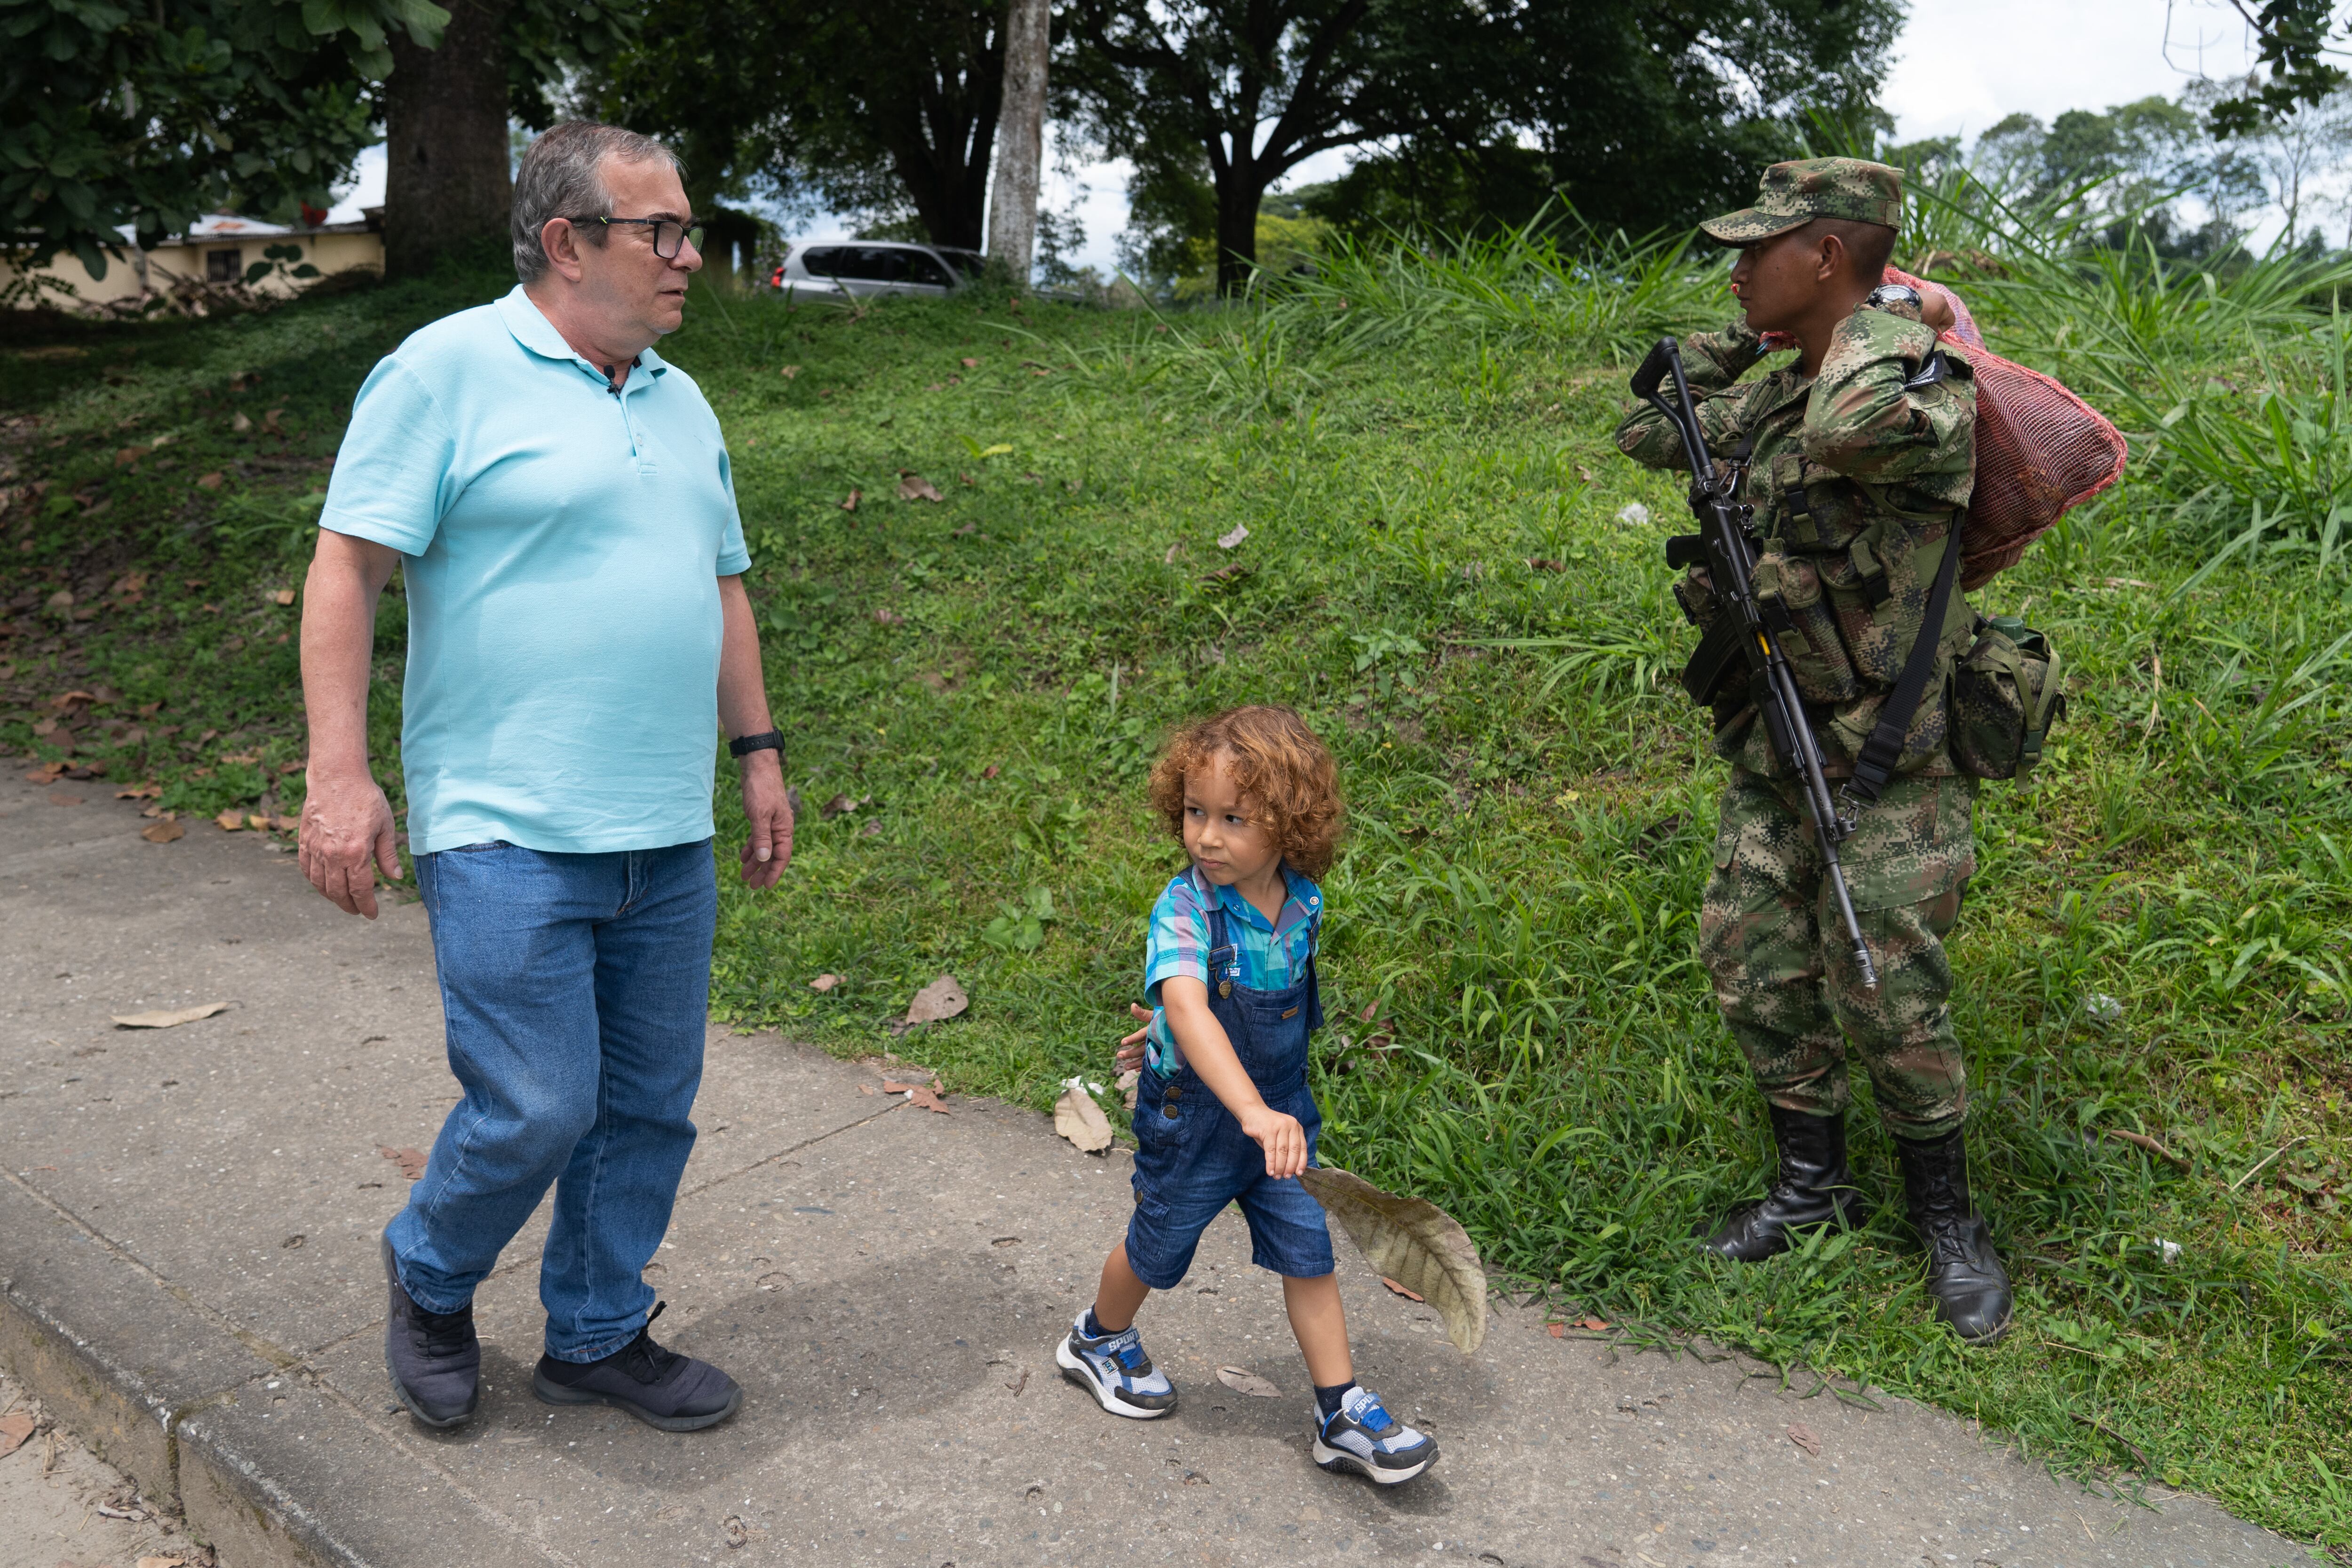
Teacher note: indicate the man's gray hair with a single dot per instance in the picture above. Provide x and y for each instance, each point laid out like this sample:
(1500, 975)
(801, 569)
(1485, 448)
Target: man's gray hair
(561, 178)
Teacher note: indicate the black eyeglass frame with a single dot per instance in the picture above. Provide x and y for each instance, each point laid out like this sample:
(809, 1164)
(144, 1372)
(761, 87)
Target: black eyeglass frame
(689, 233)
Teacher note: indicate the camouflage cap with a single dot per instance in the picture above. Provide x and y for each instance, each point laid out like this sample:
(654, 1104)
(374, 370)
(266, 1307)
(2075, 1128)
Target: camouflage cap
(1807, 188)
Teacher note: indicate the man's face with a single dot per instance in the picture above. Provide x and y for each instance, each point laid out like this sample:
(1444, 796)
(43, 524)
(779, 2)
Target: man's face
(1776, 280)
(639, 293)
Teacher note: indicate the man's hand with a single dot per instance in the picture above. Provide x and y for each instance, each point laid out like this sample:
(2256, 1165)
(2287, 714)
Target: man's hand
(768, 807)
(346, 839)
(1131, 1049)
(1282, 1138)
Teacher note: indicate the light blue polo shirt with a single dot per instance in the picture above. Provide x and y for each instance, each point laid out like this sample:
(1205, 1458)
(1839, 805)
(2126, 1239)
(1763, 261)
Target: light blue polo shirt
(565, 548)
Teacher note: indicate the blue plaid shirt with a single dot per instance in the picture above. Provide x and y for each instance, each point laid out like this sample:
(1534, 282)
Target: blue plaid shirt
(1273, 956)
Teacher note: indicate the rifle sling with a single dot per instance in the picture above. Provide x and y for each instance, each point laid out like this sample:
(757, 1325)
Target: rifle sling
(1703, 676)
(1875, 764)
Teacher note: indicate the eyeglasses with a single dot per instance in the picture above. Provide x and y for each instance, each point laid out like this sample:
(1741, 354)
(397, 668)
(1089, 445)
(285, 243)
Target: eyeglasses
(668, 233)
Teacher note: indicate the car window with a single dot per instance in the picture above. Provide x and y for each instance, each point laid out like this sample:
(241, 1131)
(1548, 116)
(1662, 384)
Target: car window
(821, 263)
(924, 268)
(972, 263)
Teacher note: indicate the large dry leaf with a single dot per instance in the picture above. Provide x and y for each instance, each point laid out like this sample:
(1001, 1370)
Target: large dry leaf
(1802, 1436)
(14, 1429)
(1233, 540)
(410, 1161)
(1241, 1380)
(942, 998)
(1413, 1242)
(162, 1019)
(163, 833)
(824, 983)
(926, 1095)
(913, 486)
(1078, 1118)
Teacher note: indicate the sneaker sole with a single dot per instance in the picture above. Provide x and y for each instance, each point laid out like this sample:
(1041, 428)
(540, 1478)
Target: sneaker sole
(1075, 1371)
(400, 1389)
(556, 1393)
(1336, 1459)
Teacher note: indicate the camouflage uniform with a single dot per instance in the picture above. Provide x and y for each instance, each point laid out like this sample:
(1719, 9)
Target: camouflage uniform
(1857, 479)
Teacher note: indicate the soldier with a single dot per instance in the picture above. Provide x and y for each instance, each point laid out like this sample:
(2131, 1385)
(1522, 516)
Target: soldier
(1860, 458)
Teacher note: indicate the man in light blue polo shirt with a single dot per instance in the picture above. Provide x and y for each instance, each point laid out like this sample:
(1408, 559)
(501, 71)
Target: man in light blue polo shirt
(560, 500)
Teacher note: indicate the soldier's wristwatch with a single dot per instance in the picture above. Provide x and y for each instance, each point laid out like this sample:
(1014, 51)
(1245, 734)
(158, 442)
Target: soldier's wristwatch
(1897, 299)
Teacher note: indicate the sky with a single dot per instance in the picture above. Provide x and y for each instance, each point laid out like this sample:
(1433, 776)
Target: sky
(1960, 66)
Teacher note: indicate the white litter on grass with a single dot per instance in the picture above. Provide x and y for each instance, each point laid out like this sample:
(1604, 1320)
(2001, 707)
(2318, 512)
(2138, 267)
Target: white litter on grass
(2103, 1009)
(2171, 1250)
(1633, 514)
(1227, 541)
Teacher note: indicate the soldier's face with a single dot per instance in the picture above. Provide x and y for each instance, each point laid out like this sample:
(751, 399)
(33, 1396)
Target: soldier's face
(1777, 280)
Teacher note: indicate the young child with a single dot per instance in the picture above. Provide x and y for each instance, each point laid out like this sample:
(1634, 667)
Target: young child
(1223, 1111)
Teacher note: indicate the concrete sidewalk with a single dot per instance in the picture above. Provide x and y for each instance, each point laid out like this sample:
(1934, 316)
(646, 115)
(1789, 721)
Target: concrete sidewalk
(188, 1223)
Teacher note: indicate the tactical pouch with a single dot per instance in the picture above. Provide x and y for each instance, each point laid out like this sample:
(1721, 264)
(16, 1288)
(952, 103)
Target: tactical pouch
(2006, 694)
(1809, 631)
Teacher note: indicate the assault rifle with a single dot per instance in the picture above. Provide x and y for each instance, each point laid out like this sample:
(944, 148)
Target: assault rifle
(1746, 626)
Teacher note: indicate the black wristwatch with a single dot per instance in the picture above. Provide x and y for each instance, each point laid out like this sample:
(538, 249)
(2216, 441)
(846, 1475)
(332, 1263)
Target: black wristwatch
(772, 741)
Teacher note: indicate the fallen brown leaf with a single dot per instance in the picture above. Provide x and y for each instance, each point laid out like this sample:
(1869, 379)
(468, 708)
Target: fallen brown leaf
(991, 771)
(162, 1562)
(14, 1428)
(942, 998)
(1584, 474)
(230, 820)
(1399, 1289)
(865, 1088)
(970, 364)
(825, 983)
(284, 596)
(888, 617)
(927, 1095)
(1241, 1380)
(410, 1161)
(851, 504)
(1078, 1118)
(47, 773)
(147, 792)
(1544, 563)
(1558, 1331)
(59, 798)
(162, 832)
(269, 420)
(913, 486)
(212, 481)
(1595, 1324)
(789, 372)
(1802, 1436)
(129, 455)
(835, 807)
(169, 1019)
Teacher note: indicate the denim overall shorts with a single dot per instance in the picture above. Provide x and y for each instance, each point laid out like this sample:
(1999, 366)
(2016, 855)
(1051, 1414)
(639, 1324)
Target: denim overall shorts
(1191, 1157)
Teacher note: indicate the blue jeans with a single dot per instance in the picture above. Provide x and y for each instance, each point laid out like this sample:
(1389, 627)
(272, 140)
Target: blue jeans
(575, 987)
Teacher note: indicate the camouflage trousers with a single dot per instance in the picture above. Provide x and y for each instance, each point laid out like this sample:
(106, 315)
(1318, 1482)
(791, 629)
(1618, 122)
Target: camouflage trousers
(1775, 949)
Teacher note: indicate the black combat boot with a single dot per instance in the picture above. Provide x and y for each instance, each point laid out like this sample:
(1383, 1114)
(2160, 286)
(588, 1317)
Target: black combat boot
(1964, 1272)
(1815, 1189)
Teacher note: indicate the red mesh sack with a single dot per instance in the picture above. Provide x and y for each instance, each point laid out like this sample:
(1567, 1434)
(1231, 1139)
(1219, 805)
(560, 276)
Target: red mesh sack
(2041, 451)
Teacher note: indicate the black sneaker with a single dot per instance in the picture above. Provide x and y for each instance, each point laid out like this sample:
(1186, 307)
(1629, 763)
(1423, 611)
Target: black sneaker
(659, 1388)
(434, 1360)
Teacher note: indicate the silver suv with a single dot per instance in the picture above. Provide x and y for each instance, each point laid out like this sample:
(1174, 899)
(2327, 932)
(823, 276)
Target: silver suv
(868, 267)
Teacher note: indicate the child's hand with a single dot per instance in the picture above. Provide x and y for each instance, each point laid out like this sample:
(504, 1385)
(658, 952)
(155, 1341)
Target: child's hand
(1131, 1049)
(1282, 1138)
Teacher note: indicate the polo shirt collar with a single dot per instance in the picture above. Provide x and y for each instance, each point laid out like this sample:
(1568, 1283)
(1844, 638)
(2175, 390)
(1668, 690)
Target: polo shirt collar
(535, 333)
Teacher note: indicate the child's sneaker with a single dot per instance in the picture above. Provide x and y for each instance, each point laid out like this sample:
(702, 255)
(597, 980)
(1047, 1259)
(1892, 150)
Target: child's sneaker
(1115, 1370)
(1362, 1436)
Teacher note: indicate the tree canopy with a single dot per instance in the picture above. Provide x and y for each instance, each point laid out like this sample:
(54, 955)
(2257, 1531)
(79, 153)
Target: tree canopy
(1637, 115)
(115, 117)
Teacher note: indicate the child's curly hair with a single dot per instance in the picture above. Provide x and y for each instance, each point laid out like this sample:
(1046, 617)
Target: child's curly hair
(1282, 770)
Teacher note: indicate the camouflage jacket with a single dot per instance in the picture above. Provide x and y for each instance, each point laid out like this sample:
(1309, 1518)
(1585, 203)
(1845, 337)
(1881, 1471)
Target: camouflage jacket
(1857, 476)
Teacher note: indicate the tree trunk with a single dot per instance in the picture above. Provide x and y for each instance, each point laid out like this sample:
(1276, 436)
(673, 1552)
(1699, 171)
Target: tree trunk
(1020, 138)
(445, 183)
(1239, 192)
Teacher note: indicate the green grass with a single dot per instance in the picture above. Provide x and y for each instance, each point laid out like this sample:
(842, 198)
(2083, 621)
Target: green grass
(984, 677)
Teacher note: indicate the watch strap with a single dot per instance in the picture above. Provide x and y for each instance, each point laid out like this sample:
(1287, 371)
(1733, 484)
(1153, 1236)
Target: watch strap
(770, 740)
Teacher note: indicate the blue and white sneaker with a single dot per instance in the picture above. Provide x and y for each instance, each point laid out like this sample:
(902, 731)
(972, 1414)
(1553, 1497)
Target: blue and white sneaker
(1362, 1436)
(1115, 1370)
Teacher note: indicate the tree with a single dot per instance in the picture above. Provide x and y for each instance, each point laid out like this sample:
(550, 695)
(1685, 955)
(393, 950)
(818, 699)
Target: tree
(114, 117)
(1643, 114)
(445, 110)
(1020, 136)
(2293, 40)
(889, 111)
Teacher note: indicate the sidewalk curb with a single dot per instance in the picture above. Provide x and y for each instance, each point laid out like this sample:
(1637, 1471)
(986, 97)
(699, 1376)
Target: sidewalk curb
(152, 1385)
